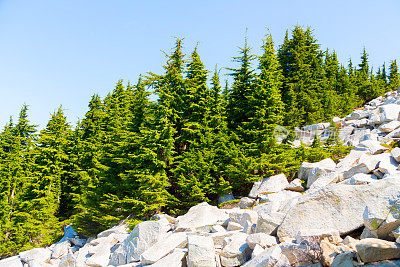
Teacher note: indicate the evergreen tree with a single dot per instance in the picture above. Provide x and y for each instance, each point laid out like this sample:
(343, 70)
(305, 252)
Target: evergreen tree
(394, 76)
(301, 61)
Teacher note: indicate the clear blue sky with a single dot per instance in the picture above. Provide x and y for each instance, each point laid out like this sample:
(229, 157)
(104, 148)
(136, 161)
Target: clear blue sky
(56, 52)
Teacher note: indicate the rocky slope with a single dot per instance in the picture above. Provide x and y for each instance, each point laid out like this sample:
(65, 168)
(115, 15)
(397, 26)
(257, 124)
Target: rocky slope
(345, 214)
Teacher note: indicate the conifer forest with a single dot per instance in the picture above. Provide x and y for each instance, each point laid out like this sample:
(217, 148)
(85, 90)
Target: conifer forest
(205, 135)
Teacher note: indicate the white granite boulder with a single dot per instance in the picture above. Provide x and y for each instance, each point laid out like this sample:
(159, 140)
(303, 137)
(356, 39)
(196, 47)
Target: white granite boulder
(312, 171)
(339, 207)
(199, 216)
(267, 185)
(201, 251)
(271, 257)
(372, 250)
(246, 218)
(235, 251)
(163, 247)
(262, 239)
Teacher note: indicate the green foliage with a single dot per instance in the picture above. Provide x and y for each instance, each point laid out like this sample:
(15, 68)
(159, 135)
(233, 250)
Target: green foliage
(130, 158)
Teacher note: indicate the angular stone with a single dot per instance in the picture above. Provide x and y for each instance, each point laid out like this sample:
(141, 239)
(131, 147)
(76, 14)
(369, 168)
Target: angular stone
(371, 146)
(389, 112)
(338, 207)
(60, 250)
(11, 262)
(217, 229)
(366, 233)
(271, 257)
(36, 256)
(345, 260)
(295, 186)
(268, 185)
(161, 216)
(246, 218)
(175, 259)
(102, 258)
(316, 127)
(316, 236)
(219, 237)
(350, 242)
(365, 164)
(389, 127)
(163, 247)
(316, 169)
(120, 229)
(360, 179)
(382, 217)
(396, 153)
(201, 251)
(233, 226)
(325, 180)
(257, 250)
(235, 251)
(278, 202)
(372, 249)
(345, 133)
(330, 251)
(246, 202)
(69, 232)
(226, 198)
(200, 215)
(68, 261)
(261, 239)
(300, 254)
(268, 222)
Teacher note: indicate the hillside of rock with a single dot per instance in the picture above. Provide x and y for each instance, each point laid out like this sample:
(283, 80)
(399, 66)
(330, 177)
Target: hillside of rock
(332, 214)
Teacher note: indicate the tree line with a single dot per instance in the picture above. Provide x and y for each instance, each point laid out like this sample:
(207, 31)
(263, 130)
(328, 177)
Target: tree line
(130, 157)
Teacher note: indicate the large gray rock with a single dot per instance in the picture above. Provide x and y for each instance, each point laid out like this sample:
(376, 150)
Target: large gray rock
(274, 183)
(389, 126)
(387, 165)
(338, 207)
(372, 249)
(295, 186)
(271, 257)
(11, 262)
(365, 164)
(396, 153)
(280, 202)
(246, 218)
(60, 250)
(345, 133)
(199, 216)
(382, 217)
(201, 251)
(300, 254)
(246, 202)
(389, 112)
(261, 239)
(325, 180)
(235, 251)
(120, 229)
(268, 222)
(164, 247)
(360, 179)
(175, 259)
(142, 237)
(68, 260)
(371, 146)
(312, 171)
(36, 256)
(344, 260)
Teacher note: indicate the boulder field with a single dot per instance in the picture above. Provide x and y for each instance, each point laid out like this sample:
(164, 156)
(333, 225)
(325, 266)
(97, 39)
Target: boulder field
(332, 214)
